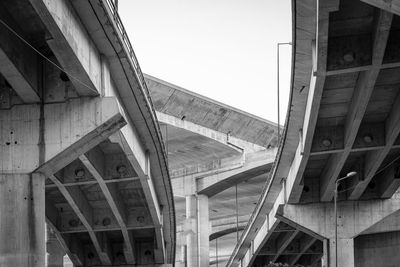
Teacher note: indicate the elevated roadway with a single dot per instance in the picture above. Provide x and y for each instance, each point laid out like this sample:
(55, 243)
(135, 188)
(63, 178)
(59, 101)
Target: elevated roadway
(80, 146)
(213, 149)
(343, 117)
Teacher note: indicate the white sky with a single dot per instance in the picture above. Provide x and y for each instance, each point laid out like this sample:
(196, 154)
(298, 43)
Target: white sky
(223, 49)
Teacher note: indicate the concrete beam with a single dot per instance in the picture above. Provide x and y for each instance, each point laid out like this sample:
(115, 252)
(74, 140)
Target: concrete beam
(82, 124)
(305, 243)
(52, 217)
(263, 233)
(316, 86)
(79, 204)
(113, 181)
(389, 182)
(55, 252)
(388, 224)
(94, 161)
(71, 44)
(362, 93)
(235, 143)
(369, 137)
(354, 216)
(374, 159)
(130, 143)
(19, 62)
(392, 6)
(255, 164)
(284, 243)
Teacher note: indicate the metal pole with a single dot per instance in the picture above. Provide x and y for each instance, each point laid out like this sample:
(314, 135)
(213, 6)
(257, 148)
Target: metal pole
(237, 216)
(336, 222)
(277, 91)
(216, 250)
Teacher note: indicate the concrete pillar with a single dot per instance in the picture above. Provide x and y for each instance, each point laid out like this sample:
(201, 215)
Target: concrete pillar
(345, 250)
(55, 252)
(325, 256)
(191, 231)
(22, 217)
(203, 230)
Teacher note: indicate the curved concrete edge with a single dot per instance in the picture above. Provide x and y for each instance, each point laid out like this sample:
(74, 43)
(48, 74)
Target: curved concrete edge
(100, 15)
(290, 137)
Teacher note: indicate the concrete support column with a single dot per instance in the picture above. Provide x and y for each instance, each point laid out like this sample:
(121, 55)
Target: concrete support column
(345, 251)
(55, 252)
(191, 231)
(22, 220)
(203, 230)
(325, 256)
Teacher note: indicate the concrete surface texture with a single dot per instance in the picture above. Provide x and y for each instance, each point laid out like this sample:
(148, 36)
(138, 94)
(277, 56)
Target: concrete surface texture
(344, 118)
(219, 160)
(91, 170)
(80, 148)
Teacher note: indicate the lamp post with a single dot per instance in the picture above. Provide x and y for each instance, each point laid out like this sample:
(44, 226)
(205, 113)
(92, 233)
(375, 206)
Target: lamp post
(277, 91)
(350, 174)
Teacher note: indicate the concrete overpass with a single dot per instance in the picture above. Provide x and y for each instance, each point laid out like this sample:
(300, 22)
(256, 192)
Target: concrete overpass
(343, 116)
(213, 149)
(80, 145)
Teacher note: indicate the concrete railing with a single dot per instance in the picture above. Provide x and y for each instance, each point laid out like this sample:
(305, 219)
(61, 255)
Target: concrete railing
(127, 43)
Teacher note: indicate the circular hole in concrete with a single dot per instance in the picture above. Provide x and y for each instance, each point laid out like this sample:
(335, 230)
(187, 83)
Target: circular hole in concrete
(64, 77)
(306, 189)
(73, 223)
(371, 185)
(140, 219)
(106, 221)
(349, 57)
(79, 173)
(121, 169)
(327, 142)
(368, 138)
(90, 255)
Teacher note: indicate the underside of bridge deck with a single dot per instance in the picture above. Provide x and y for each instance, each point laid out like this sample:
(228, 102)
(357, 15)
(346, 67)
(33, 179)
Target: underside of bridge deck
(219, 158)
(80, 147)
(343, 117)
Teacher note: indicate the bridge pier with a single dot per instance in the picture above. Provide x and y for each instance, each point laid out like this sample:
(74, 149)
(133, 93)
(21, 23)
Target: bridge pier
(354, 219)
(191, 231)
(345, 252)
(204, 230)
(55, 252)
(36, 142)
(22, 216)
(197, 230)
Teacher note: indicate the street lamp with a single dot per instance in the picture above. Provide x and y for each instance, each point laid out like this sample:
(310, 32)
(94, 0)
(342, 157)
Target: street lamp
(350, 174)
(277, 73)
